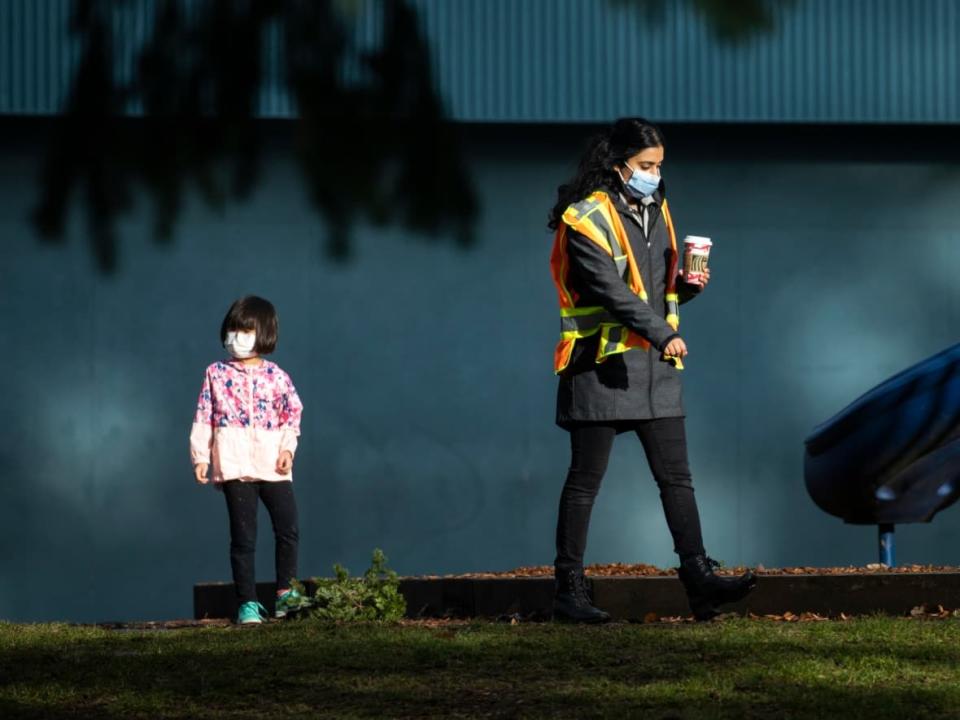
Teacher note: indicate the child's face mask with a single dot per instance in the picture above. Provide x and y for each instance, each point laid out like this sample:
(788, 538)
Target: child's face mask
(241, 343)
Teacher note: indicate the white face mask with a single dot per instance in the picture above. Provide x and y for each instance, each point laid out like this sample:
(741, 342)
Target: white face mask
(241, 344)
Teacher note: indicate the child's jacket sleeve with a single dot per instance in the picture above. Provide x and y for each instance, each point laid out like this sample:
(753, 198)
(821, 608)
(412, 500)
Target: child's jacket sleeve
(291, 409)
(201, 434)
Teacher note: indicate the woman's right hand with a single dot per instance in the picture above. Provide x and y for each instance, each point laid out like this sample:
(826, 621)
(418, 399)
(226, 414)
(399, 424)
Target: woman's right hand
(676, 348)
(200, 473)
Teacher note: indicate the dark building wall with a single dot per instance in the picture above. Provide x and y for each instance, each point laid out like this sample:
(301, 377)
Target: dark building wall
(425, 368)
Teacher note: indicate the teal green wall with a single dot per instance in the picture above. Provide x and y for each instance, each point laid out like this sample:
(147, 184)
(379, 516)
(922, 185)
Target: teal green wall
(425, 368)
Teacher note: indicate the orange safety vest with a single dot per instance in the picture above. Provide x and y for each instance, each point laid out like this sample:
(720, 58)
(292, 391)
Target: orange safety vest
(597, 219)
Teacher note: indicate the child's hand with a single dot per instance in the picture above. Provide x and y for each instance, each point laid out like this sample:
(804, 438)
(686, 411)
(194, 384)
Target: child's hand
(285, 462)
(200, 473)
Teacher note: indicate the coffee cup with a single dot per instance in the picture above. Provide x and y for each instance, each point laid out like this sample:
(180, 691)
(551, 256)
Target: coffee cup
(696, 252)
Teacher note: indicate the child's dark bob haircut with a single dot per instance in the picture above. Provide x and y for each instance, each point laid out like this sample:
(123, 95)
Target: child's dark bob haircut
(253, 313)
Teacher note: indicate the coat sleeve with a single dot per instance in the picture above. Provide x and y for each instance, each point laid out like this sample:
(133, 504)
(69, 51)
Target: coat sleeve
(597, 272)
(687, 291)
(201, 433)
(290, 414)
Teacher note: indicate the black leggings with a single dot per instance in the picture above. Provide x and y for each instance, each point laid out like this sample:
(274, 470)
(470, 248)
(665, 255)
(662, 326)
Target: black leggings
(242, 505)
(665, 443)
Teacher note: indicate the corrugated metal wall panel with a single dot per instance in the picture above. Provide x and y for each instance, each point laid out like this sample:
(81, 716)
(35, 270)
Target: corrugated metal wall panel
(589, 60)
(826, 61)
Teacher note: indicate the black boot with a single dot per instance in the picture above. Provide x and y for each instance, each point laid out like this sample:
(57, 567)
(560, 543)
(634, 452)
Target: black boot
(572, 602)
(706, 591)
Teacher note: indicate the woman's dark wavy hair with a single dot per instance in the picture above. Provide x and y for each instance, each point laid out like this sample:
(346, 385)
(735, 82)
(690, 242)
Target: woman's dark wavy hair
(253, 313)
(622, 140)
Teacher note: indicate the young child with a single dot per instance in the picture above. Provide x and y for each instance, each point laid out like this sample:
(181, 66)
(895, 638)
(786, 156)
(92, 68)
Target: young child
(245, 433)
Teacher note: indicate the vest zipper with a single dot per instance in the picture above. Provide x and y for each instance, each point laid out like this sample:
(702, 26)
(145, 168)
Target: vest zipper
(645, 232)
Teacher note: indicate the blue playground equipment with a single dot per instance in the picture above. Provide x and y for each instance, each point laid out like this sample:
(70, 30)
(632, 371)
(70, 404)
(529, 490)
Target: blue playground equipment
(893, 455)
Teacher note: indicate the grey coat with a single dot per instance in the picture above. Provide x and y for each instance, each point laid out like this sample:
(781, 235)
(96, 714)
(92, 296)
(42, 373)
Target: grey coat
(638, 384)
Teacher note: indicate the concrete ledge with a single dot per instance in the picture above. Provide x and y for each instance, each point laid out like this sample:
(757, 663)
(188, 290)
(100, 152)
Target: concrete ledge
(633, 598)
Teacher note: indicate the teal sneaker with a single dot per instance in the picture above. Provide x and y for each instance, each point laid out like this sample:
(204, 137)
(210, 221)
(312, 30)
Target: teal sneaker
(251, 613)
(289, 602)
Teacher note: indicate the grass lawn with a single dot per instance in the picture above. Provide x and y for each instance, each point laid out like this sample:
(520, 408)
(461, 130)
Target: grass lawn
(863, 668)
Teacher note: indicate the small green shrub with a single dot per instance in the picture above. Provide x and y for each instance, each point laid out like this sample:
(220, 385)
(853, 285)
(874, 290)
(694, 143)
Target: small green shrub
(374, 596)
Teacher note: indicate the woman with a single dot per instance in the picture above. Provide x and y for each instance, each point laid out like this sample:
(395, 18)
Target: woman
(615, 265)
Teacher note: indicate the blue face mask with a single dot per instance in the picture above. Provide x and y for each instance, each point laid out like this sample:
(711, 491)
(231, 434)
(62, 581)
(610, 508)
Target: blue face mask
(641, 184)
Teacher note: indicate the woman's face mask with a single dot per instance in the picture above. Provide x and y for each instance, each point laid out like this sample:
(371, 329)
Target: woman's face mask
(640, 184)
(241, 343)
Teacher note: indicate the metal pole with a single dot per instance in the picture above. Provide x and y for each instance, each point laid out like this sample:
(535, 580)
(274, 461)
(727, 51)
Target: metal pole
(887, 556)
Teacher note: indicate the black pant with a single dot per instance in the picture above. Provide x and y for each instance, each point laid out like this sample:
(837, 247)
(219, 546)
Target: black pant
(242, 507)
(665, 443)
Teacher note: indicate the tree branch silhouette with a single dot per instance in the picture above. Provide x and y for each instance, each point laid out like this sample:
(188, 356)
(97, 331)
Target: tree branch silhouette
(372, 148)
(731, 21)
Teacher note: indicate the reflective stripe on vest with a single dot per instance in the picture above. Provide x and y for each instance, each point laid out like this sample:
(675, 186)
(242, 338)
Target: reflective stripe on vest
(673, 310)
(597, 219)
(582, 322)
(593, 218)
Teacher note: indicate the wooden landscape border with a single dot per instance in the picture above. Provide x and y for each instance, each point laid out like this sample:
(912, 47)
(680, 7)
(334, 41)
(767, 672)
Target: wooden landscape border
(634, 598)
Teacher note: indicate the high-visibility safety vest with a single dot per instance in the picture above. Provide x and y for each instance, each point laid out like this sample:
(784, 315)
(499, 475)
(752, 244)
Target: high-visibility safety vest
(597, 219)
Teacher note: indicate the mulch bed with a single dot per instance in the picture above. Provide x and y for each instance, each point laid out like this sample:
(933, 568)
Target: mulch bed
(644, 570)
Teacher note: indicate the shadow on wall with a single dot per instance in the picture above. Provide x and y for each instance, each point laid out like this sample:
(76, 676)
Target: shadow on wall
(731, 20)
(371, 139)
(371, 147)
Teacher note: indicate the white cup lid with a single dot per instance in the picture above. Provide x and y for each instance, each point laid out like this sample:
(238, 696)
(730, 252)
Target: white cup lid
(697, 240)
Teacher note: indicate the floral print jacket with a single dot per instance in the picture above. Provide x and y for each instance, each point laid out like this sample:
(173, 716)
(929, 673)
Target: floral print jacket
(246, 416)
